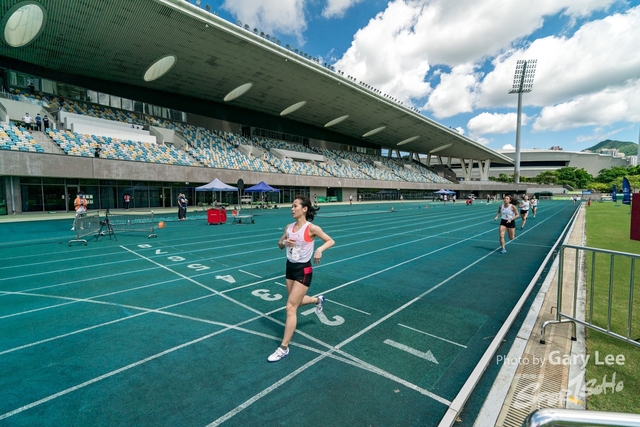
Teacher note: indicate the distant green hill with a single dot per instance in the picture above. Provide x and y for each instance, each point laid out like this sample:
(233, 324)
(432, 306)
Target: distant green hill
(627, 147)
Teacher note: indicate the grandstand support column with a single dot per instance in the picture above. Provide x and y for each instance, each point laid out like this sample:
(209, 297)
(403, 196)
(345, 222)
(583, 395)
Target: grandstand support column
(463, 163)
(484, 169)
(466, 168)
(428, 159)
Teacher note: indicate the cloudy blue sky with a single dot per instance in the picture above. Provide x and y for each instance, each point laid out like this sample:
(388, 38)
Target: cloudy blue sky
(454, 60)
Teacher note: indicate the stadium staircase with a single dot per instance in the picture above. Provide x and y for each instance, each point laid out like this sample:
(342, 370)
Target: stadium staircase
(47, 143)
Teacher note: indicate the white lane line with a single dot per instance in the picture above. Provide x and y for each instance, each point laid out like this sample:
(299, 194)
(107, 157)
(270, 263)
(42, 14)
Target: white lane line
(266, 391)
(107, 375)
(421, 354)
(334, 349)
(431, 335)
(250, 274)
(346, 306)
(422, 295)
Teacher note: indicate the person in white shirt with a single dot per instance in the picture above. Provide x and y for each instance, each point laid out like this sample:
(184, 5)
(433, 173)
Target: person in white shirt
(508, 214)
(27, 121)
(298, 239)
(524, 210)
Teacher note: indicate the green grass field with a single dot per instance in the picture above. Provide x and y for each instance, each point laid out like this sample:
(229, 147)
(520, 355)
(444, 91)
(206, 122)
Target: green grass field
(612, 384)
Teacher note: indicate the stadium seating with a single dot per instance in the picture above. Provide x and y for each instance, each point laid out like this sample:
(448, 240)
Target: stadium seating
(84, 145)
(214, 149)
(16, 139)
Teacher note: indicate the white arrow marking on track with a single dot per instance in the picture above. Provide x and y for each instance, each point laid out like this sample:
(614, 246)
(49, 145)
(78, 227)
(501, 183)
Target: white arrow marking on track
(228, 278)
(428, 355)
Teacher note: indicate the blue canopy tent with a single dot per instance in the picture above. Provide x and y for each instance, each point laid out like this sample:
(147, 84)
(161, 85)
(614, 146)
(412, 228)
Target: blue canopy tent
(443, 191)
(261, 187)
(216, 185)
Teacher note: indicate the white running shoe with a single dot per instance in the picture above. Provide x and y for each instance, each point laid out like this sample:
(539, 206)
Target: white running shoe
(278, 354)
(319, 304)
(73, 229)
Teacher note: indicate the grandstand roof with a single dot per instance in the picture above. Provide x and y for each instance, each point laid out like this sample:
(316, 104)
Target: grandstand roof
(118, 40)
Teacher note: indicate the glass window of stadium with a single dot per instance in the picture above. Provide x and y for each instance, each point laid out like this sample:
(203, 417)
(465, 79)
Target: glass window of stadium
(115, 101)
(73, 92)
(49, 86)
(32, 197)
(3, 198)
(127, 104)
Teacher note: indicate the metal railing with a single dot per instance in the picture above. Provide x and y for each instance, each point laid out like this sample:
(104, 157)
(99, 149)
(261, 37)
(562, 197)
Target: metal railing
(85, 224)
(581, 418)
(144, 223)
(594, 317)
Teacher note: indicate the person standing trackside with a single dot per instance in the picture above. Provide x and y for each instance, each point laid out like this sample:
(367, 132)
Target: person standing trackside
(350, 200)
(524, 210)
(182, 207)
(298, 239)
(80, 205)
(508, 214)
(127, 200)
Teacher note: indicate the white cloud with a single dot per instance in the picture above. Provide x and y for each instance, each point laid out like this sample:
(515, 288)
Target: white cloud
(598, 135)
(494, 123)
(395, 51)
(337, 8)
(455, 93)
(508, 147)
(382, 53)
(271, 16)
(599, 55)
(611, 105)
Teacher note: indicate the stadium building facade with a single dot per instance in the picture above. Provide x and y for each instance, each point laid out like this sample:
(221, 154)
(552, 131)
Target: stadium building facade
(195, 88)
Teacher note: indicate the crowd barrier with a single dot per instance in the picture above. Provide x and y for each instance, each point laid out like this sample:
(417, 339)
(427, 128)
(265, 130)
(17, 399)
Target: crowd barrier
(85, 224)
(132, 223)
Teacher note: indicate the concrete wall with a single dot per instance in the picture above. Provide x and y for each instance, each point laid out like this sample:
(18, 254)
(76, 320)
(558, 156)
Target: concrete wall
(96, 126)
(15, 110)
(48, 165)
(17, 163)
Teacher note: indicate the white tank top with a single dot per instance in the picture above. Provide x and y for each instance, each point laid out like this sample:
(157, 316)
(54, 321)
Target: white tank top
(507, 212)
(524, 206)
(303, 249)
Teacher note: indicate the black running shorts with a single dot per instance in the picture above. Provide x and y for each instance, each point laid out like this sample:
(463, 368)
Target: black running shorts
(511, 224)
(300, 272)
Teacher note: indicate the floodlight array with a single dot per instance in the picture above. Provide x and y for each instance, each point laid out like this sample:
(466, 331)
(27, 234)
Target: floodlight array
(523, 76)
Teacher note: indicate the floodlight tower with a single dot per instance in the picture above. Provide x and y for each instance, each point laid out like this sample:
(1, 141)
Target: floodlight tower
(522, 82)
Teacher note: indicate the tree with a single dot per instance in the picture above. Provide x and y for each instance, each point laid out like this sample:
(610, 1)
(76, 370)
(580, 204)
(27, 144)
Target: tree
(612, 173)
(600, 187)
(546, 177)
(576, 178)
(634, 183)
(504, 178)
